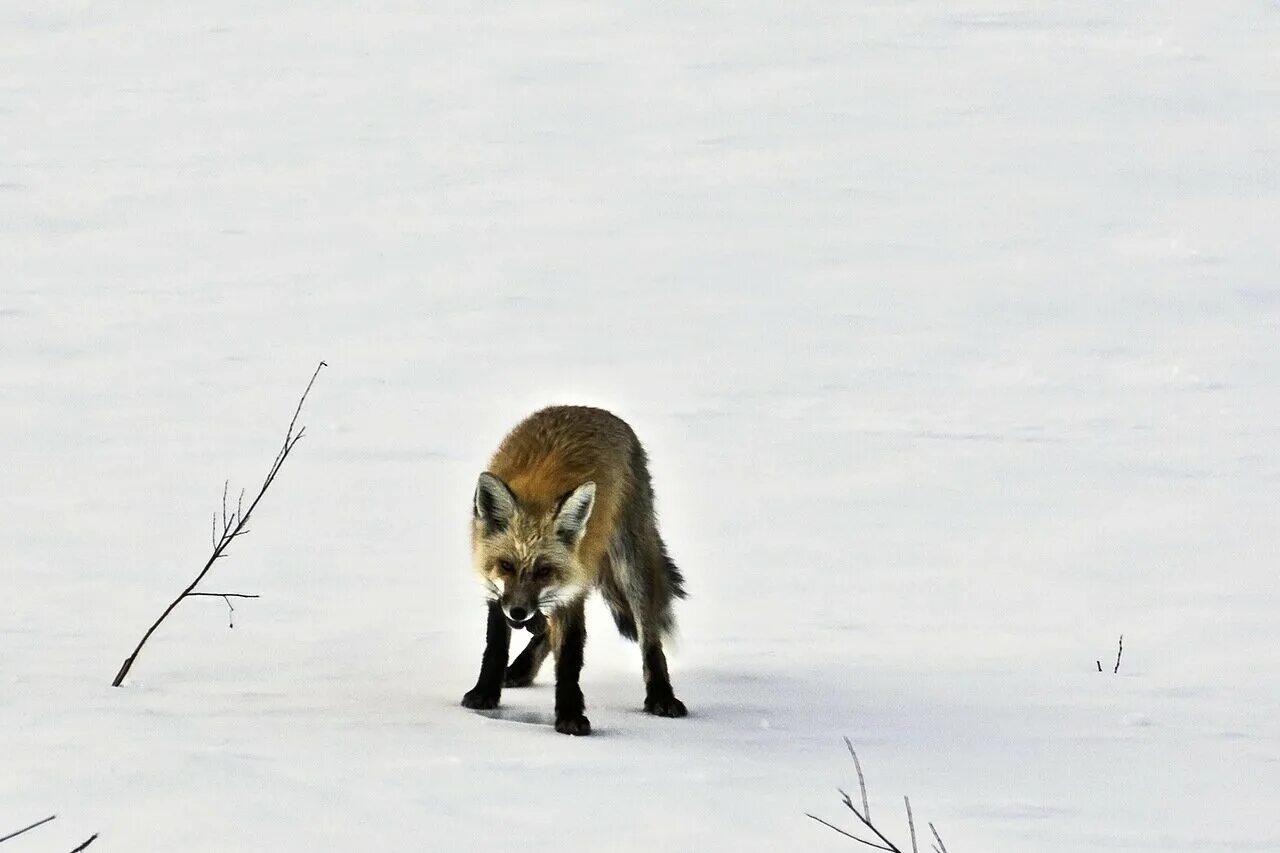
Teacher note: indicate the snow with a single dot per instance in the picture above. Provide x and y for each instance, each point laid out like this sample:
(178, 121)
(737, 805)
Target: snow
(951, 330)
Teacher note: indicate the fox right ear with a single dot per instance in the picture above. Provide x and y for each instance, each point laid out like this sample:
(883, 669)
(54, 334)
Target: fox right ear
(494, 503)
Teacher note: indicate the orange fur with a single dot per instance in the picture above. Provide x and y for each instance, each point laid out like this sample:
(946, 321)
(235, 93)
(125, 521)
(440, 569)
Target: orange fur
(556, 450)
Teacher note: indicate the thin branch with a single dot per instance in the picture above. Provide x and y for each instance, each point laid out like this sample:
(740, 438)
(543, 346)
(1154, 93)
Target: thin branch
(864, 817)
(230, 531)
(87, 842)
(1119, 652)
(862, 782)
(225, 596)
(27, 828)
(942, 848)
(911, 825)
(848, 835)
(869, 825)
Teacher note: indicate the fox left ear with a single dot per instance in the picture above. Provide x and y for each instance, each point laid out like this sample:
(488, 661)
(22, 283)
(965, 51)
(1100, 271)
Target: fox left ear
(575, 509)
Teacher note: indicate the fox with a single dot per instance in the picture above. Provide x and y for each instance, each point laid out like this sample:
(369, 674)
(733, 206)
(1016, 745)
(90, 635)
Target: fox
(566, 507)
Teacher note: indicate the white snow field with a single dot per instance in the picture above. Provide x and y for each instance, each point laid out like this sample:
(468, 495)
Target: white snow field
(952, 330)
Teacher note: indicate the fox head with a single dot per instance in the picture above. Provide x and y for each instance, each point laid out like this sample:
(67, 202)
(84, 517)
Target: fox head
(527, 556)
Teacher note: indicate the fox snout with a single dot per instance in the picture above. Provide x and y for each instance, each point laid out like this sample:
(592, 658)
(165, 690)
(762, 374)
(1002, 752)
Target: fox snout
(518, 614)
(520, 609)
(525, 617)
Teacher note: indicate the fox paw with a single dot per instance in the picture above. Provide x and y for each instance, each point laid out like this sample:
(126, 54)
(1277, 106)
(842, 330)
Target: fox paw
(479, 699)
(665, 706)
(578, 725)
(517, 679)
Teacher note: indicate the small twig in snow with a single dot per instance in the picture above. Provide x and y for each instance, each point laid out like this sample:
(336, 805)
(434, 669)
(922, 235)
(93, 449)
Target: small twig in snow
(849, 834)
(864, 817)
(87, 842)
(1119, 652)
(941, 848)
(862, 782)
(27, 828)
(232, 528)
(226, 596)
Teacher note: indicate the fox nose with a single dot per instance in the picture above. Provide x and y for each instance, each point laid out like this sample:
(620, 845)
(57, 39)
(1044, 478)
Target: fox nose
(518, 613)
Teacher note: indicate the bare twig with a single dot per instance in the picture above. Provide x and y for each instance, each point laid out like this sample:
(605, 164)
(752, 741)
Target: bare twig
(864, 817)
(862, 782)
(87, 842)
(232, 527)
(27, 828)
(848, 834)
(869, 825)
(1119, 651)
(941, 848)
(225, 596)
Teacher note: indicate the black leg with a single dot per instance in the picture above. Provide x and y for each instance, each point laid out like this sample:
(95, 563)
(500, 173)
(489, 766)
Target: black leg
(659, 698)
(571, 638)
(526, 665)
(497, 644)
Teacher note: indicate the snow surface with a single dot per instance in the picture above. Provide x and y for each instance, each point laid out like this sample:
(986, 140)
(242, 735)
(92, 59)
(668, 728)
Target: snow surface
(952, 329)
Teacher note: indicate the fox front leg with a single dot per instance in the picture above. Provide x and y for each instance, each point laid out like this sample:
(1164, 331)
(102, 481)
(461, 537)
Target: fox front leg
(497, 644)
(570, 641)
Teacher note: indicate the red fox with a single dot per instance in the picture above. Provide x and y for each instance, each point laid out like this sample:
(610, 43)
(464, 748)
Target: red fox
(567, 507)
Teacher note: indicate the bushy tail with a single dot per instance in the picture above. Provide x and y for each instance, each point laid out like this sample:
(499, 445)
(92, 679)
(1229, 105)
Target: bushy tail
(675, 580)
(626, 623)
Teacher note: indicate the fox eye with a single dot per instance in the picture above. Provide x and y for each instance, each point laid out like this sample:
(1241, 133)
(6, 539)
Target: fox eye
(506, 568)
(541, 571)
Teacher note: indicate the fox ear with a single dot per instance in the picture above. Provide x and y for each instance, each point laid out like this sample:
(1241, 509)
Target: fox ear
(494, 503)
(575, 509)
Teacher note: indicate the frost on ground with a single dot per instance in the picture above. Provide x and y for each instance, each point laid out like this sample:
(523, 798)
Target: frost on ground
(952, 331)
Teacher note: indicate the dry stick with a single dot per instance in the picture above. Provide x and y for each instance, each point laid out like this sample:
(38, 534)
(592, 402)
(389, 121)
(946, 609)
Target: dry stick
(941, 848)
(862, 782)
(849, 834)
(911, 824)
(87, 842)
(226, 596)
(232, 527)
(864, 817)
(27, 828)
(867, 823)
(1119, 652)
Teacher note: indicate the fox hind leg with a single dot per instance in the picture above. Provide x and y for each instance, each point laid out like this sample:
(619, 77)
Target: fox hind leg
(659, 699)
(524, 669)
(651, 594)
